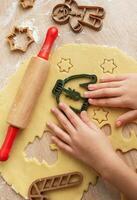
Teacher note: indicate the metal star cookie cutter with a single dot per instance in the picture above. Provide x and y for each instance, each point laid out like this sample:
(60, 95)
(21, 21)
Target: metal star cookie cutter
(78, 16)
(27, 3)
(60, 89)
(11, 38)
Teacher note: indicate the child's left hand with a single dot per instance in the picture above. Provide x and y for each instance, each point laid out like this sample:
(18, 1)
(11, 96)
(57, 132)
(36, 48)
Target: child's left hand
(81, 138)
(116, 91)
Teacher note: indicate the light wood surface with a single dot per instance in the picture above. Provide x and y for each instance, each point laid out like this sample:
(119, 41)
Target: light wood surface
(120, 30)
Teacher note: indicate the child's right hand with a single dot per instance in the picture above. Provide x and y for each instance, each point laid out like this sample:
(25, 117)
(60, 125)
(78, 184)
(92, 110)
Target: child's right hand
(116, 91)
(82, 139)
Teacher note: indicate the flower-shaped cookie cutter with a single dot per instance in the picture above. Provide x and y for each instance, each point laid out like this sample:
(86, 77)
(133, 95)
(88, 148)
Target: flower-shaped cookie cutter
(27, 3)
(78, 16)
(12, 42)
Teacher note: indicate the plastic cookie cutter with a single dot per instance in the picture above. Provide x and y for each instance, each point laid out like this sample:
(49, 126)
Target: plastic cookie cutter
(60, 89)
(12, 39)
(27, 3)
(78, 16)
(39, 188)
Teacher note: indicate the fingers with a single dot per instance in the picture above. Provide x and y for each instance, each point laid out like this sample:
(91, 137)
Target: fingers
(126, 118)
(63, 120)
(113, 78)
(86, 120)
(108, 102)
(104, 85)
(58, 132)
(63, 146)
(107, 92)
(72, 117)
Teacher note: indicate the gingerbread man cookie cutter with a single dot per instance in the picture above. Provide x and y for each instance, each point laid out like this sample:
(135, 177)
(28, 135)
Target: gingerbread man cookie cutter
(78, 16)
(39, 188)
(19, 30)
(27, 3)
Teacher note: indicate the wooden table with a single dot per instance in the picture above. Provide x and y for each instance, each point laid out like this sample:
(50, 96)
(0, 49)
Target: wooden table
(120, 30)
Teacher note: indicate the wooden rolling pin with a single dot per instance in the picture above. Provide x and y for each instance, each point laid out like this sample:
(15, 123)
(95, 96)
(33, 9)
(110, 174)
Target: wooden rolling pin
(28, 93)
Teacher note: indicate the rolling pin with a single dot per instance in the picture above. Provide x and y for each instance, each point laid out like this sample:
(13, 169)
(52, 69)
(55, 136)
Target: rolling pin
(28, 93)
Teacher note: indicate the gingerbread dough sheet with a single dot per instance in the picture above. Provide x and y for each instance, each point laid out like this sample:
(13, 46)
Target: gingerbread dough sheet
(19, 171)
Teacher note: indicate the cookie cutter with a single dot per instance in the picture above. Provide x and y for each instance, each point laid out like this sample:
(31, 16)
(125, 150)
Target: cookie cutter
(60, 89)
(78, 16)
(39, 188)
(11, 38)
(27, 3)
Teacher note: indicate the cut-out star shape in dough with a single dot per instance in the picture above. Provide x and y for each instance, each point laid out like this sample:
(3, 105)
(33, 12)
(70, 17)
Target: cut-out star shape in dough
(65, 65)
(100, 115)
(108, 66)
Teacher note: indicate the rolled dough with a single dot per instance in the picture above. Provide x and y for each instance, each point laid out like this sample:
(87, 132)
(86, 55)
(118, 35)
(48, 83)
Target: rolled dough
(19, 171)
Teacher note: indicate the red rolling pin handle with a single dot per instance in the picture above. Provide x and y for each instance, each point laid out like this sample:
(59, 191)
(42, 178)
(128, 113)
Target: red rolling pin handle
(46, 48)
(12, 131)
(9, 140)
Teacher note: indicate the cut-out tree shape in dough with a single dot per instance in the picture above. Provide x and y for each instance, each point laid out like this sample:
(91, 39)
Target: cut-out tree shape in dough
(19, 171)
(41, 150)
(65, 65)
(100, 115)
(108, 66)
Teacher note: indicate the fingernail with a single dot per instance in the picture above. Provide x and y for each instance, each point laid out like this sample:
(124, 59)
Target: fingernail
(118, 123)
(52, 137)
(84, 111)
(48, 124)
(91, 87)
(101, 80)
(61, 104)
(86, 94)
(90, 101)
(53, 109)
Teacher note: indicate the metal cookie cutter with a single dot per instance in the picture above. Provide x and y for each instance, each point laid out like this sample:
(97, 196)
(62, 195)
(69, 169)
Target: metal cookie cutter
(60, 89)
(78, 16)
(14, 33)
(39, 188)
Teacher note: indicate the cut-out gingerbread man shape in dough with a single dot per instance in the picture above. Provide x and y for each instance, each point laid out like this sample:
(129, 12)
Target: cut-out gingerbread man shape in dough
(20, 171)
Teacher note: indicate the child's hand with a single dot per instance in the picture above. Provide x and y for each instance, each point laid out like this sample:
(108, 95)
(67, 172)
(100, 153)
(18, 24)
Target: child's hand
(116, 91)
(81, 138)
